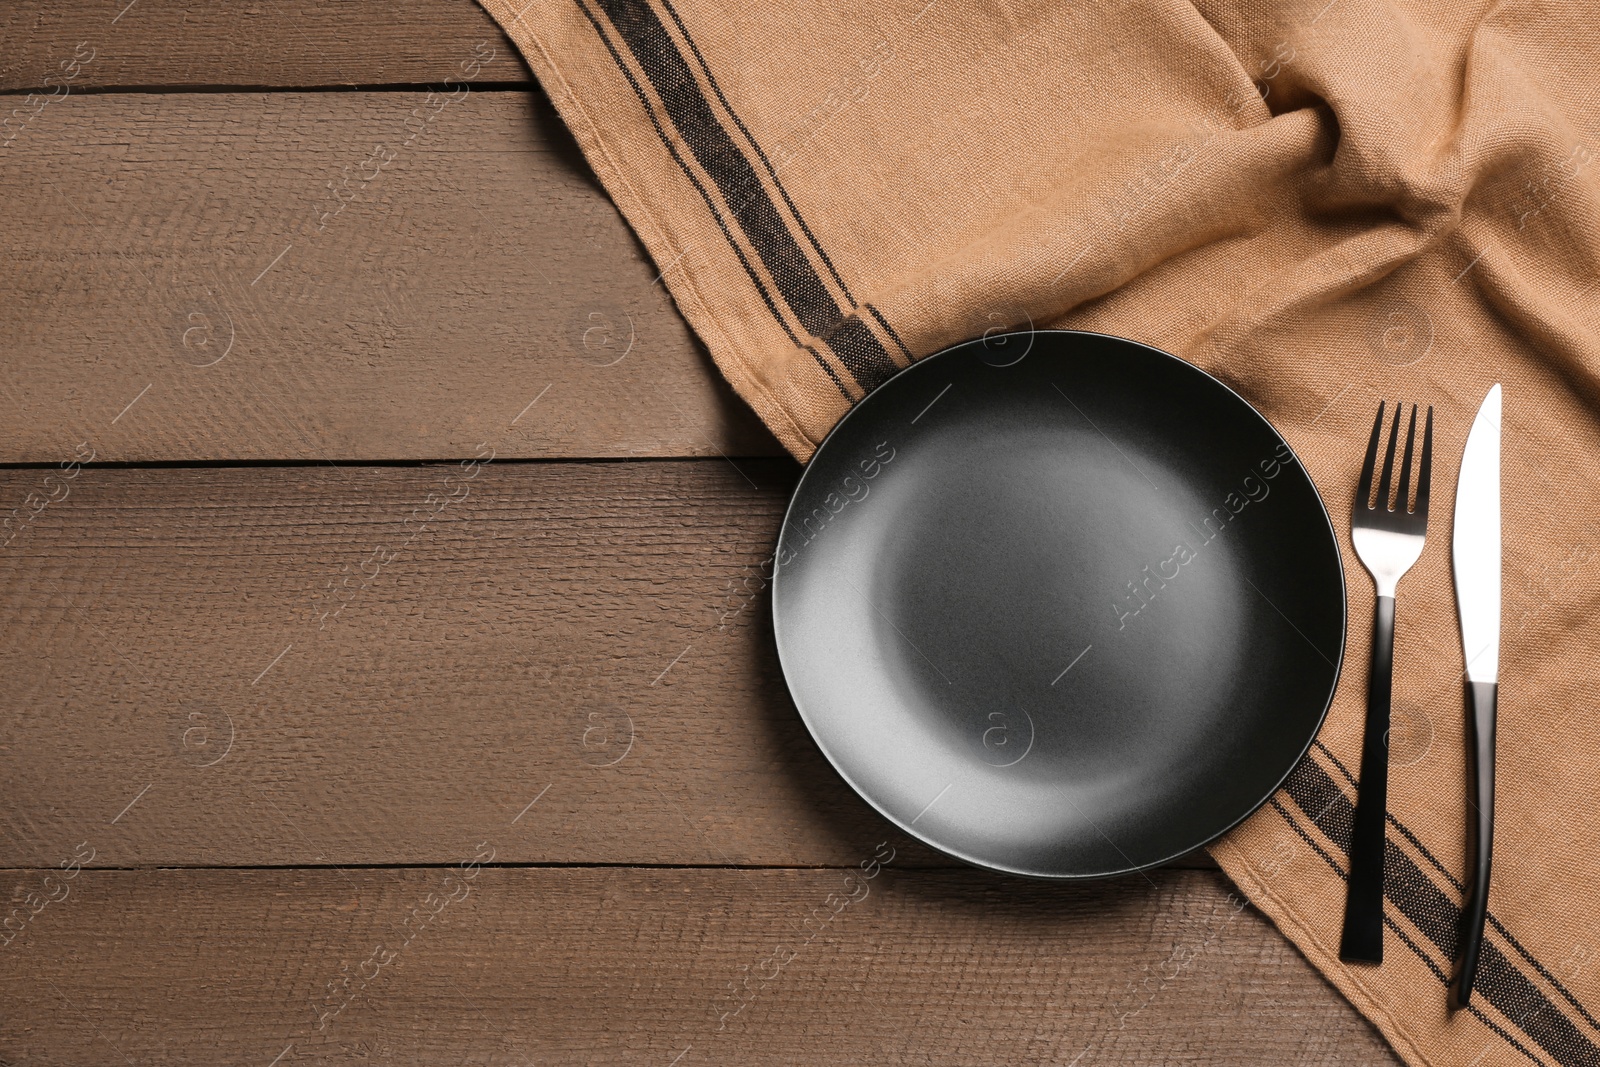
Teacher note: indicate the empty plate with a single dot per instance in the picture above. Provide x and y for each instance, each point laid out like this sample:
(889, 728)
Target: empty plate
(1059, 604)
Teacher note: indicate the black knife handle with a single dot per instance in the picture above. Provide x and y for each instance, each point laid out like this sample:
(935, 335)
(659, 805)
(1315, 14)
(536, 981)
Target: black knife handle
(1481, 698)
(1363, 910)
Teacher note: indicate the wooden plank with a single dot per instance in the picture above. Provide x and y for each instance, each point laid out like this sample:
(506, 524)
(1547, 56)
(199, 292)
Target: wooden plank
(288, 666)
(208, 277)
(292, 43)
(684, 967)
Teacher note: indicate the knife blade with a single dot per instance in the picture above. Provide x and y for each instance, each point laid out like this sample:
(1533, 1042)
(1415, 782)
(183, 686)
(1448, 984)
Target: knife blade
(1475, 558)
(1475, 546)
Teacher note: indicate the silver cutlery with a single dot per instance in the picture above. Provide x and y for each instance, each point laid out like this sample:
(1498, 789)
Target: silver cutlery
(1388, 536)
(1475, 556)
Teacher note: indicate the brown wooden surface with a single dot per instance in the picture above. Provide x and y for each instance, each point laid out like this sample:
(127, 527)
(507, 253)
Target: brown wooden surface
(481, 266)
(568, 665)
(202, 43)
(462, 677)
(659, 967)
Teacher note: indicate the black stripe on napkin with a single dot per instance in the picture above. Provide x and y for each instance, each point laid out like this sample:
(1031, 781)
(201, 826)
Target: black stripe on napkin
(758, 217)
(1417, 950)
(711, 206)
(861, 351)
(888, 329)
(711, 79)
(1494, 923)
(1438, 919)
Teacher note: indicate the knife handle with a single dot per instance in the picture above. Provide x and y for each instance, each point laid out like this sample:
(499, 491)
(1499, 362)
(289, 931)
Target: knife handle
(1363, 910)
(1481, 698)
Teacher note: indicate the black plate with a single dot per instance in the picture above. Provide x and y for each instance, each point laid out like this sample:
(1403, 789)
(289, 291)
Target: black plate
(1059, 604)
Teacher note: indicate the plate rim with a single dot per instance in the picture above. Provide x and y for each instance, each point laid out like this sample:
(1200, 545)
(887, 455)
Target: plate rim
(981, 864)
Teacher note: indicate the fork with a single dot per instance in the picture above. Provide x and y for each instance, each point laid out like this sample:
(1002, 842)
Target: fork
(1388, 537)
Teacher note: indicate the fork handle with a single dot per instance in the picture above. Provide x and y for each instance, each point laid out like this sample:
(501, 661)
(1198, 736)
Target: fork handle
(1363, 911)
(1481, 700)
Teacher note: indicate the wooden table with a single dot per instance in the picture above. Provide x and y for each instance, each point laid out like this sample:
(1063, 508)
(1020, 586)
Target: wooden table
(387, 667)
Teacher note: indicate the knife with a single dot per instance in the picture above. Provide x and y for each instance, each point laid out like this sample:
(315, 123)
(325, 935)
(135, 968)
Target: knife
(1475, 555)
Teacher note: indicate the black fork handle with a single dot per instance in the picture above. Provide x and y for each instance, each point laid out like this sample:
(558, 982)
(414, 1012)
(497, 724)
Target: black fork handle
(1363, 911)
(1481, 700)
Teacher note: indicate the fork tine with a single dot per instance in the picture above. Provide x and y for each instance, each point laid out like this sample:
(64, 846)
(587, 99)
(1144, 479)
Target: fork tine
(1386, 480)
(1364, 488)
(1400, 501)
(1423, 476)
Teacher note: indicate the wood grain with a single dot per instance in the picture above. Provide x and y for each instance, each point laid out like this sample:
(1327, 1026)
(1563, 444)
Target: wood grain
(179, 282)
(660, 967)
(442, 675)
(293, 43)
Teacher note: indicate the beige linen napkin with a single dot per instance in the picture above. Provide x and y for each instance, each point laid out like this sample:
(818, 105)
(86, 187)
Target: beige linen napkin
(1324, 204)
